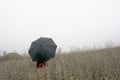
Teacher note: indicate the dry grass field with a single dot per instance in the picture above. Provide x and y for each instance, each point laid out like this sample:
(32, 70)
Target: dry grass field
(90, 65)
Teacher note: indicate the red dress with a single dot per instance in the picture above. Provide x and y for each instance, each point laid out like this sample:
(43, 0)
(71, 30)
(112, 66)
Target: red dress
(40, 65)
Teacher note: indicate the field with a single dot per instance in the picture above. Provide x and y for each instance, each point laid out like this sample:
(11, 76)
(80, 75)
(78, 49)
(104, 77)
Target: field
(103, 64)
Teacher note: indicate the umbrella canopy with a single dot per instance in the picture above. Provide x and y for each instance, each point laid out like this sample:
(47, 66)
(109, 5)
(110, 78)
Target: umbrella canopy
(42, 49)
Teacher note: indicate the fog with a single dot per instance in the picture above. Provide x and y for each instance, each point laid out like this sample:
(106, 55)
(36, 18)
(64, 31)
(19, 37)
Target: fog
(71, 23)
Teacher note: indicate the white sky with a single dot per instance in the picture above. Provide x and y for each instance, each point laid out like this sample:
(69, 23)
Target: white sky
(69, 22)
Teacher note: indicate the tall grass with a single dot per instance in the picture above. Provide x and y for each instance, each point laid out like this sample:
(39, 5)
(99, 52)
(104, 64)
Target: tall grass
(89, 65)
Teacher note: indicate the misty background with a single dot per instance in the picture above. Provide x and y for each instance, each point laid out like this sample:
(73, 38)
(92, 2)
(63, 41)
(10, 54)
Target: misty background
(71, 23)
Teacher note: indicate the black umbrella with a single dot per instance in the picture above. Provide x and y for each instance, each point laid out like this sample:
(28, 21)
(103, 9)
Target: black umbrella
(42, 49)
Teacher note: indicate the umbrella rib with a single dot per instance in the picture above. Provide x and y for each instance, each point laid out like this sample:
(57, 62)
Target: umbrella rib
(48, 51)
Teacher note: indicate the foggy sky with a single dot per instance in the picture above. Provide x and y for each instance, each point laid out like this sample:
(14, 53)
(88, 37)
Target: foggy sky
(69, 22)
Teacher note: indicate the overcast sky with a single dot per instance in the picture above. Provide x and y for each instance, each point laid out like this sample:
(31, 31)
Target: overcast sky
(69, 22)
